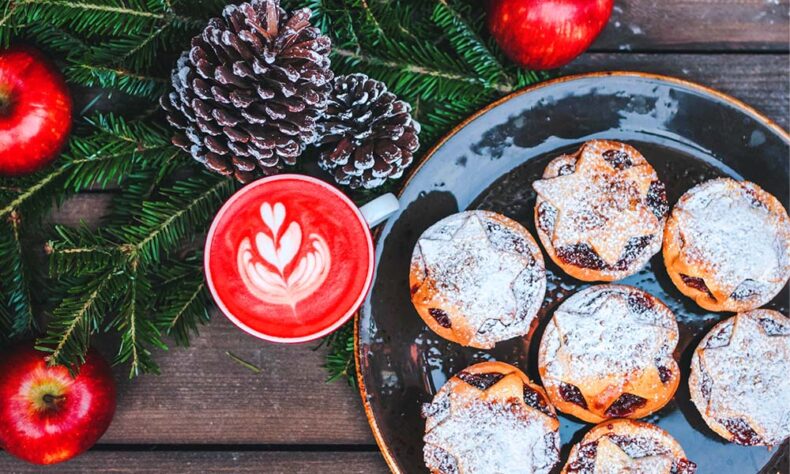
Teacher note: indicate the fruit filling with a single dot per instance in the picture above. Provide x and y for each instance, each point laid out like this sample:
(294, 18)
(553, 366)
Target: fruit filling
(584, 462)
(481, 381)
(584, 256)
(683, 466)
(618, 159)
(664, 374)
(581, 255)
(657, 199)
(571, 393)
(625, 404)
(741, 431)
(696, 283)
(441, 317)
(535, 400)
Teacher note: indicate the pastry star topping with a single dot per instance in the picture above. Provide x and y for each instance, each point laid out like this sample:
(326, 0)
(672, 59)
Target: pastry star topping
(611, 459)
(600, 205)
(726, 234)
(477, 270)
(750, 377)
(607, 338)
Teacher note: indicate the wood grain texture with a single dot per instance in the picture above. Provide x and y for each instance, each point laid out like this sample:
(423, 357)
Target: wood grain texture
(150, 462)
(204, 397)
(696, 25)
(759, 80)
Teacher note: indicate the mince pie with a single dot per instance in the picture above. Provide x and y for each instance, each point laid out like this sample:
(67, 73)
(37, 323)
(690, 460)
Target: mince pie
(608, 353)
(628, 446)
(490, 418)
(740, 378)
(727, 245)
(600, 212)
(477, 278)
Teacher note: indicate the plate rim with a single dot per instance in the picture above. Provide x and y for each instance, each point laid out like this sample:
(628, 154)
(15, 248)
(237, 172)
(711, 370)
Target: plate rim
(721, 96)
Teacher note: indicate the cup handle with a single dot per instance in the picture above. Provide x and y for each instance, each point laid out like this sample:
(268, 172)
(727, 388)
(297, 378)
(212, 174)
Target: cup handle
(378, 210)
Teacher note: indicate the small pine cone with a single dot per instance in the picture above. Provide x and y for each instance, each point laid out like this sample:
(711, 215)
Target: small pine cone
(248, 93)
(367, 135)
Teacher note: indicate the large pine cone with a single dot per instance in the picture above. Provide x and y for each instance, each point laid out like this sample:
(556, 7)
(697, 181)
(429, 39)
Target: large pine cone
(247, 94)
(367, 135)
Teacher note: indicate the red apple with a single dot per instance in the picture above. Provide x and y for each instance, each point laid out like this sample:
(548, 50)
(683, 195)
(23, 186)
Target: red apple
(546, 34)
(46, 416)
(35, 111)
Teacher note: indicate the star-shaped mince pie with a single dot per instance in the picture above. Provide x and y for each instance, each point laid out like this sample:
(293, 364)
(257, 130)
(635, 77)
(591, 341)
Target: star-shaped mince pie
(607, 353)
(628, 446)
(739, 378)
(727, 245)
(484, 419)
(477, 278)
(600, 213)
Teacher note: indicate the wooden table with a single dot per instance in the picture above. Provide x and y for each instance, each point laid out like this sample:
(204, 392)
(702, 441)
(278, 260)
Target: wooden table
(207, 413)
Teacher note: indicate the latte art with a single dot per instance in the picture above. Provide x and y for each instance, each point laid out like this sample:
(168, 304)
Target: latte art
(270, 269)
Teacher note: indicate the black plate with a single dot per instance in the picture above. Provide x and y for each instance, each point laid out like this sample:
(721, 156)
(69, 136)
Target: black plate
(688, 133)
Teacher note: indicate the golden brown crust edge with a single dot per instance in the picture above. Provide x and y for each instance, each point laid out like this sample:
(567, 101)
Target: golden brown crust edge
(656, 399)
(580, 273)
(675, 266)
(622, 426)
(461, 331)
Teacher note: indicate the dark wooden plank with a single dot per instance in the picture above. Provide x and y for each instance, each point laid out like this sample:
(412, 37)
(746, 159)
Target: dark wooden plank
(205, 397)
(697, 25)
(759, 80)
(145, 462)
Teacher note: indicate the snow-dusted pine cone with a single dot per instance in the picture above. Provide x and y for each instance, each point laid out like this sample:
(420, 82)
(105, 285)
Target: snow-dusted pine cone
(367, 135)
(247, 94)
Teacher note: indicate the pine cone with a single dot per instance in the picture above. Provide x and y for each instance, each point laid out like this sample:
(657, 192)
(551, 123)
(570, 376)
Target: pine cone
(367, 135)
(247, 94)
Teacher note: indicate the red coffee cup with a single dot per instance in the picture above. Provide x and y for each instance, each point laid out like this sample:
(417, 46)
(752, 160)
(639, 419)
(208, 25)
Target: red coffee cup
(289, 258)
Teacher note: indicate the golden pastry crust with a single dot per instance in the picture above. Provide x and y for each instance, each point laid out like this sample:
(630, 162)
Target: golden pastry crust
(490, 418)
(617, 446)
(600, 212)
(477, 278)
(739, 378)
(608, 353)
(727, 245)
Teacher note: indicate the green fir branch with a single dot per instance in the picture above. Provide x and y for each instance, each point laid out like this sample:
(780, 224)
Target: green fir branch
(79, 315)
(139, 334)
(16, 307)
(108, 77)
(162, 225)
(183, 299)
(98, 17)
(340, 362)
(469, 45)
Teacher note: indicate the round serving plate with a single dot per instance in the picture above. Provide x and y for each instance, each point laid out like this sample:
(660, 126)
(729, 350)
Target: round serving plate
(689, 134)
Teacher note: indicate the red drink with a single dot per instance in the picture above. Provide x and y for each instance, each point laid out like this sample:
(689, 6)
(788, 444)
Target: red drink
(289, 258)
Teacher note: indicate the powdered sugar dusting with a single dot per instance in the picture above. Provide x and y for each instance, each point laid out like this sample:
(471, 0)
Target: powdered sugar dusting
(490, 436)
(597, 334)
(613, 459)
(483, 270)
(747, 378)
(602, 200)
(740, 245)
(621, 446)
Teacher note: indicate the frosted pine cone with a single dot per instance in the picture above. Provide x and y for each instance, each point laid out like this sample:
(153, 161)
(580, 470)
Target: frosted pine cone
(367, 135)
(247, 94)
